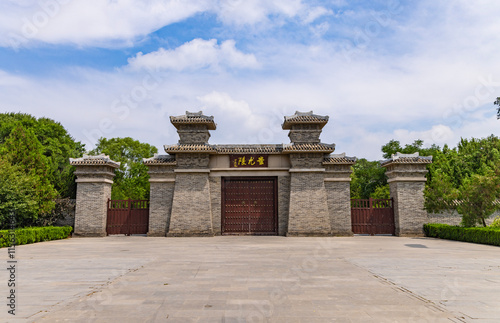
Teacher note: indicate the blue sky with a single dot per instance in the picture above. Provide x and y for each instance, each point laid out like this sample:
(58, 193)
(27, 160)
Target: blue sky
(381, 70)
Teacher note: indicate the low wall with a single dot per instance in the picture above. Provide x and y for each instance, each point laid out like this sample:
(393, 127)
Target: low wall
(453, 218)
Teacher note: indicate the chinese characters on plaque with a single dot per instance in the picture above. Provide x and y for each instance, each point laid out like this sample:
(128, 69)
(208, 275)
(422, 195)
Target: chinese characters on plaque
(240, 161)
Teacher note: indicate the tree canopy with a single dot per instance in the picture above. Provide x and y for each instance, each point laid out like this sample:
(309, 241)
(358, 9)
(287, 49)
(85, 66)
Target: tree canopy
(132, 179)
(497, 102)
(466, 179)
(394, 146)
(34, 168)
(57, 146)
(368, 180)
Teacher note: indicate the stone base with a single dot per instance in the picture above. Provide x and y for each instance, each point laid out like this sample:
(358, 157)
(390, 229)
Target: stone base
(189, 234)
(411, 235)
(88, 235)
(343, 234)
(156, 234)
(308, 234)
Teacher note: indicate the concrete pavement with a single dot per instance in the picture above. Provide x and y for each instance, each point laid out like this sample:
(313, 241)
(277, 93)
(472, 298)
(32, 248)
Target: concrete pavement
(255, 279)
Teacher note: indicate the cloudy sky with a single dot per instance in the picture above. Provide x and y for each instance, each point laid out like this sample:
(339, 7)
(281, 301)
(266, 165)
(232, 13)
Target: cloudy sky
(381, 69)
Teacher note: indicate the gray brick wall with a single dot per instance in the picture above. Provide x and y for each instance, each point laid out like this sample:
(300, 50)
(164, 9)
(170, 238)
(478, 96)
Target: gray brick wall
(160, 208)
(191, 207)
(309, 214)
(192, 161)
(409, 215)
(307, 160)
(305, 133)
(339, 207)
(283, 204)
(91, 209)
(216, 201)
(453, 218)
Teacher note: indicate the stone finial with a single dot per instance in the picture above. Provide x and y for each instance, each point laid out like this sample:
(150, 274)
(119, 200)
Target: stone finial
(193, 119)
(301, 118)
(305, 127)
(193, 127)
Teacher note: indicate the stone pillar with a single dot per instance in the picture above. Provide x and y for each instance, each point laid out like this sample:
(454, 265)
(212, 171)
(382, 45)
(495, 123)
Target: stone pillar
(338, 192)
(406, 178)
(191, 206)
(308, 211)
(94, 179)
(162, 181)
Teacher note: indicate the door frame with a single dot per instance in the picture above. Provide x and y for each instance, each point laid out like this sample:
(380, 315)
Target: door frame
(224, 179)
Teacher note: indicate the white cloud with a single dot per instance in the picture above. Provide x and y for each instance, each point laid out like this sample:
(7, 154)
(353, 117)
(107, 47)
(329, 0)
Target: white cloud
(194, 55)
(122, 22)
(236, 115)
(89, 22)
(314, 13)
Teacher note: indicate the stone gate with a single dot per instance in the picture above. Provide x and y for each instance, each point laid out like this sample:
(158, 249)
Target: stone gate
(295, 189)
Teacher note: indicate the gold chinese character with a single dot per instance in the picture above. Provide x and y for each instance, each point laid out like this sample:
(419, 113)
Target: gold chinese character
(241, 161)
(236, 162)
(251, 161)
(260, 160)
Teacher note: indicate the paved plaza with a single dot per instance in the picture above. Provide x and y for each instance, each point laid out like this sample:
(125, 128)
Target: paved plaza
(255, 279)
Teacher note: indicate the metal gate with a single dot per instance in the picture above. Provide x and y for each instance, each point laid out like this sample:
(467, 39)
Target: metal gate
(249, 206)
(372, 216)
(127, 217)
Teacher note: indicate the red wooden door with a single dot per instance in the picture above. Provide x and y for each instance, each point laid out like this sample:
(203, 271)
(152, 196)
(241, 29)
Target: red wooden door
(249, 206)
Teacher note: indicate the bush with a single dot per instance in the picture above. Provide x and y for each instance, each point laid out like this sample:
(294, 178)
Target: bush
(495, 223)
(481, 235)
(33, 235)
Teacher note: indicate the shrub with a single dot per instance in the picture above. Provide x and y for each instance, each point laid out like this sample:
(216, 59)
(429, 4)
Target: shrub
(495, 223)
(33, 235)
(481, 235)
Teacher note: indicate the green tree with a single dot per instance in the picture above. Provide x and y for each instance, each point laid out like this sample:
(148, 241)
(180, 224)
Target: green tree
(24, 162)
(367, 177)
(478, 195)
(17, 194)
(394, 146)
(465, 179)
(58, 146)
(132, 179)
(497, 102)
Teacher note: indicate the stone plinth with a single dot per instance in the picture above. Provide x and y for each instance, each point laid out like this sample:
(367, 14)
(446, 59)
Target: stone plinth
(406, 178)
(338, 190)
(94, 179)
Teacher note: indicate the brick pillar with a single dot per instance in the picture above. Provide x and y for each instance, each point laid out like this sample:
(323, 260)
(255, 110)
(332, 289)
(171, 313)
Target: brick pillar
(162, 181)
(308, 211)
(94, 179)
(406, 178)
(338, 191)
(191, 206)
